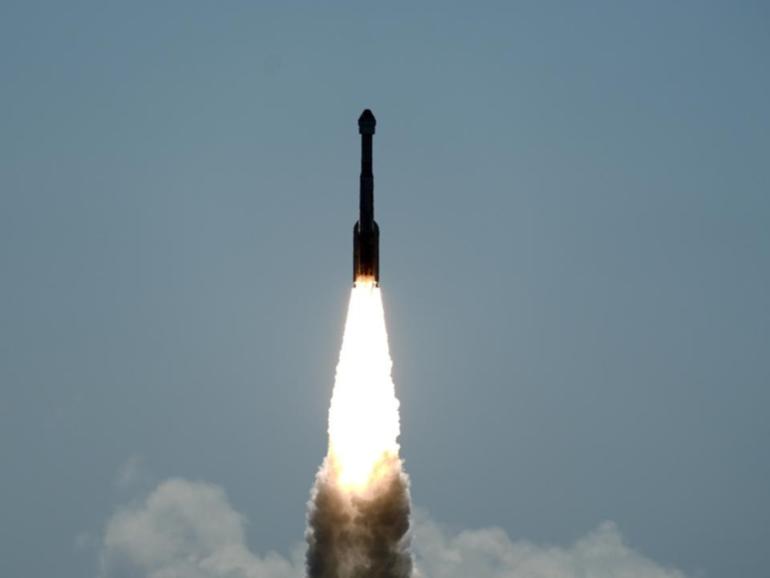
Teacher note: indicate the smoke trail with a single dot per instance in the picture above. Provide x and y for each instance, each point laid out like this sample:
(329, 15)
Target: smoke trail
(358, 520)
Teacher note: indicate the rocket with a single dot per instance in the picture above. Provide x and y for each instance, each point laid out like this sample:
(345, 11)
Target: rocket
(366, 233)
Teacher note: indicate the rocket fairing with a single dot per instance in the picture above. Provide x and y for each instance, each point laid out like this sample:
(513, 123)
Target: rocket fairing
(366, 233)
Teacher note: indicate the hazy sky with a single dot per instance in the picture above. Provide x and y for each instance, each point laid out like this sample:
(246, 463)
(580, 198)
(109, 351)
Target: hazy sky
(575, 240)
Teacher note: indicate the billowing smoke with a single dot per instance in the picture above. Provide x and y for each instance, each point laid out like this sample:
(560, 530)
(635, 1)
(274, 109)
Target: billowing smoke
(190, 529)
(359, 536)
(358, 520)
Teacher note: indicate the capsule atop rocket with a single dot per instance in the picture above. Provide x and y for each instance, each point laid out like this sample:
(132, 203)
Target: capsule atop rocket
(366, 233)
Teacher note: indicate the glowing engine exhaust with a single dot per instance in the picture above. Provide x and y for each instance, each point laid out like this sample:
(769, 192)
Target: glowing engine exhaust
(363, 418)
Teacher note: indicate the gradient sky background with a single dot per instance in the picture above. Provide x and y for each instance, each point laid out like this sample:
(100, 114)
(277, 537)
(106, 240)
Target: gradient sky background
(573, 198)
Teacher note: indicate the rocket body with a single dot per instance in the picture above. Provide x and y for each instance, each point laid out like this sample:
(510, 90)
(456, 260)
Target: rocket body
(366, 233)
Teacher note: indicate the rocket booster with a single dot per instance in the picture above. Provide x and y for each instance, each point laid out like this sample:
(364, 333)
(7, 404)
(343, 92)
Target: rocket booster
(366, 233)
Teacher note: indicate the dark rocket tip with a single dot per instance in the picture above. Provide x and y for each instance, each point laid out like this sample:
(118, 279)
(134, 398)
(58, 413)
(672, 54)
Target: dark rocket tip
(366, 122)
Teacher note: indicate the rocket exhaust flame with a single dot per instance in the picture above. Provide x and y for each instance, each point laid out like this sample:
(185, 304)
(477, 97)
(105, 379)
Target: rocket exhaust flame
(358, 518)
(363, 418)
(359, 511)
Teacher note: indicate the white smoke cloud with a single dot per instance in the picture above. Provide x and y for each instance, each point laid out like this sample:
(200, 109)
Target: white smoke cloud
(490, 553)
(186, 529)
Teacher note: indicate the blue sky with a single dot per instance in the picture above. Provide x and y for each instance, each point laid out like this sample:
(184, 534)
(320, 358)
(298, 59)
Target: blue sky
(574, 212)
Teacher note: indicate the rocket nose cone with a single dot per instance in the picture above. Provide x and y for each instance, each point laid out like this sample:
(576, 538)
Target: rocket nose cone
(366, 122)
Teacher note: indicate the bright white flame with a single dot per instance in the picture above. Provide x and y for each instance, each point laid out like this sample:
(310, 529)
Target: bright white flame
(363, 418)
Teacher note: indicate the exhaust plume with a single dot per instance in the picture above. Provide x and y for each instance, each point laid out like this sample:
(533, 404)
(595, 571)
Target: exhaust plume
(358, 520)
